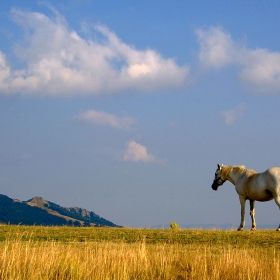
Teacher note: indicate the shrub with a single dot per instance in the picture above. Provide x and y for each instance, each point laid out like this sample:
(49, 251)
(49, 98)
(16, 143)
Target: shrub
(174, 226)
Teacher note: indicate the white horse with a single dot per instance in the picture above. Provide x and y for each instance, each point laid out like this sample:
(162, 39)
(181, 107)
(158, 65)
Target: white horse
(250, 185)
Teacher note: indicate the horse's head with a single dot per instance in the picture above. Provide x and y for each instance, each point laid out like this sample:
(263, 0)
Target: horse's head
(218, 180)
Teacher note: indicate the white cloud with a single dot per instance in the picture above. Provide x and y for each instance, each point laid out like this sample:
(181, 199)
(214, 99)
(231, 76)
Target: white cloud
(60, 62)
(4, 72)
(216, 47)
(259, 68)
(236, 113)
(138, 153)
(103, 118)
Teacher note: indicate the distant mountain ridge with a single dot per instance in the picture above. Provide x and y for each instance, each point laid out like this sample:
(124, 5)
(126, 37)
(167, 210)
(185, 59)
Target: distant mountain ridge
(38, 211)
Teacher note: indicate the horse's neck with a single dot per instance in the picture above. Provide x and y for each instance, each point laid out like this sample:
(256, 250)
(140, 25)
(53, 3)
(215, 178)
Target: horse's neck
(233, 177)
(233, 174)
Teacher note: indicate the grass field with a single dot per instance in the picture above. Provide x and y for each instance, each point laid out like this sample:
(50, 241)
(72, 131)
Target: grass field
(120, 253)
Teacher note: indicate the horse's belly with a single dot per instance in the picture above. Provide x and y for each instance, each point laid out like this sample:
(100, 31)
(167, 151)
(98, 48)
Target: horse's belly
(265, 195)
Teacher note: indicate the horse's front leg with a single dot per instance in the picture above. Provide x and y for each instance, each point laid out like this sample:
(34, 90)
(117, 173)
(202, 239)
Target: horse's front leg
(252, 214)
(242, 203)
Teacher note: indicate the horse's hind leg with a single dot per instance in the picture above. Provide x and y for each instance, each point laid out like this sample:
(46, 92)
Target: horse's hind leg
(252, 214)
(277, 200)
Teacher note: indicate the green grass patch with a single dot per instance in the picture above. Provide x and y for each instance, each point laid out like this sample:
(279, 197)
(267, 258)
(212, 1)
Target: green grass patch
(232, 238)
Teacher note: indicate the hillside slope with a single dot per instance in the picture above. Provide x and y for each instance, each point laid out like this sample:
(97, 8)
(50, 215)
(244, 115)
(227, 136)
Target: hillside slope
(41, 212)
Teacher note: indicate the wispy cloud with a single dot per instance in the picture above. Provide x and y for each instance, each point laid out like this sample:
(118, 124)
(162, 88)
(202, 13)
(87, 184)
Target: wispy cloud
(231, 116)
(103, 118)
(136, 152)
(60, 62)
(259, 68)
(4, 179)
(25, 156)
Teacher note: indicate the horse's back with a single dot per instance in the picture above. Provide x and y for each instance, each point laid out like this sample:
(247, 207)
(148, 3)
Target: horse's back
(261, 186)
(274, 171)
(273, 176)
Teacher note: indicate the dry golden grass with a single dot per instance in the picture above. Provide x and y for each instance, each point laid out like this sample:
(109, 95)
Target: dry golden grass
(22, 258)
(106, 260)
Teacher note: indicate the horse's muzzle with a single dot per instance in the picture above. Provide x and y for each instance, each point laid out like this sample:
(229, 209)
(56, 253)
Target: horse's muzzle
(215, 186)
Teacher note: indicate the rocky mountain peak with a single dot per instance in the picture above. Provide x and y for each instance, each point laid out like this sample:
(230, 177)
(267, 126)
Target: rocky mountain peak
(38, 201)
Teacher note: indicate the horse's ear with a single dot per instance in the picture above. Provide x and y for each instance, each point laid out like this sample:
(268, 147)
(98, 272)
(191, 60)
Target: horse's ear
(220, 166)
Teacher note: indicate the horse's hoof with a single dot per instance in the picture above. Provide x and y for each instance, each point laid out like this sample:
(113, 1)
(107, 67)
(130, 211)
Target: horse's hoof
(253, 229)
(240, 229)
(278, 229)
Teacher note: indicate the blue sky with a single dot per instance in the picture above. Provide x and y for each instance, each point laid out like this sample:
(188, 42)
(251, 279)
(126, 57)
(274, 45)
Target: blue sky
(126, 107)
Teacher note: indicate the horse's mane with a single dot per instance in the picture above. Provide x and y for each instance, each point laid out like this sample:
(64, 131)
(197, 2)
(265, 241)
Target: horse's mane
(239, 168)
(226, 170)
